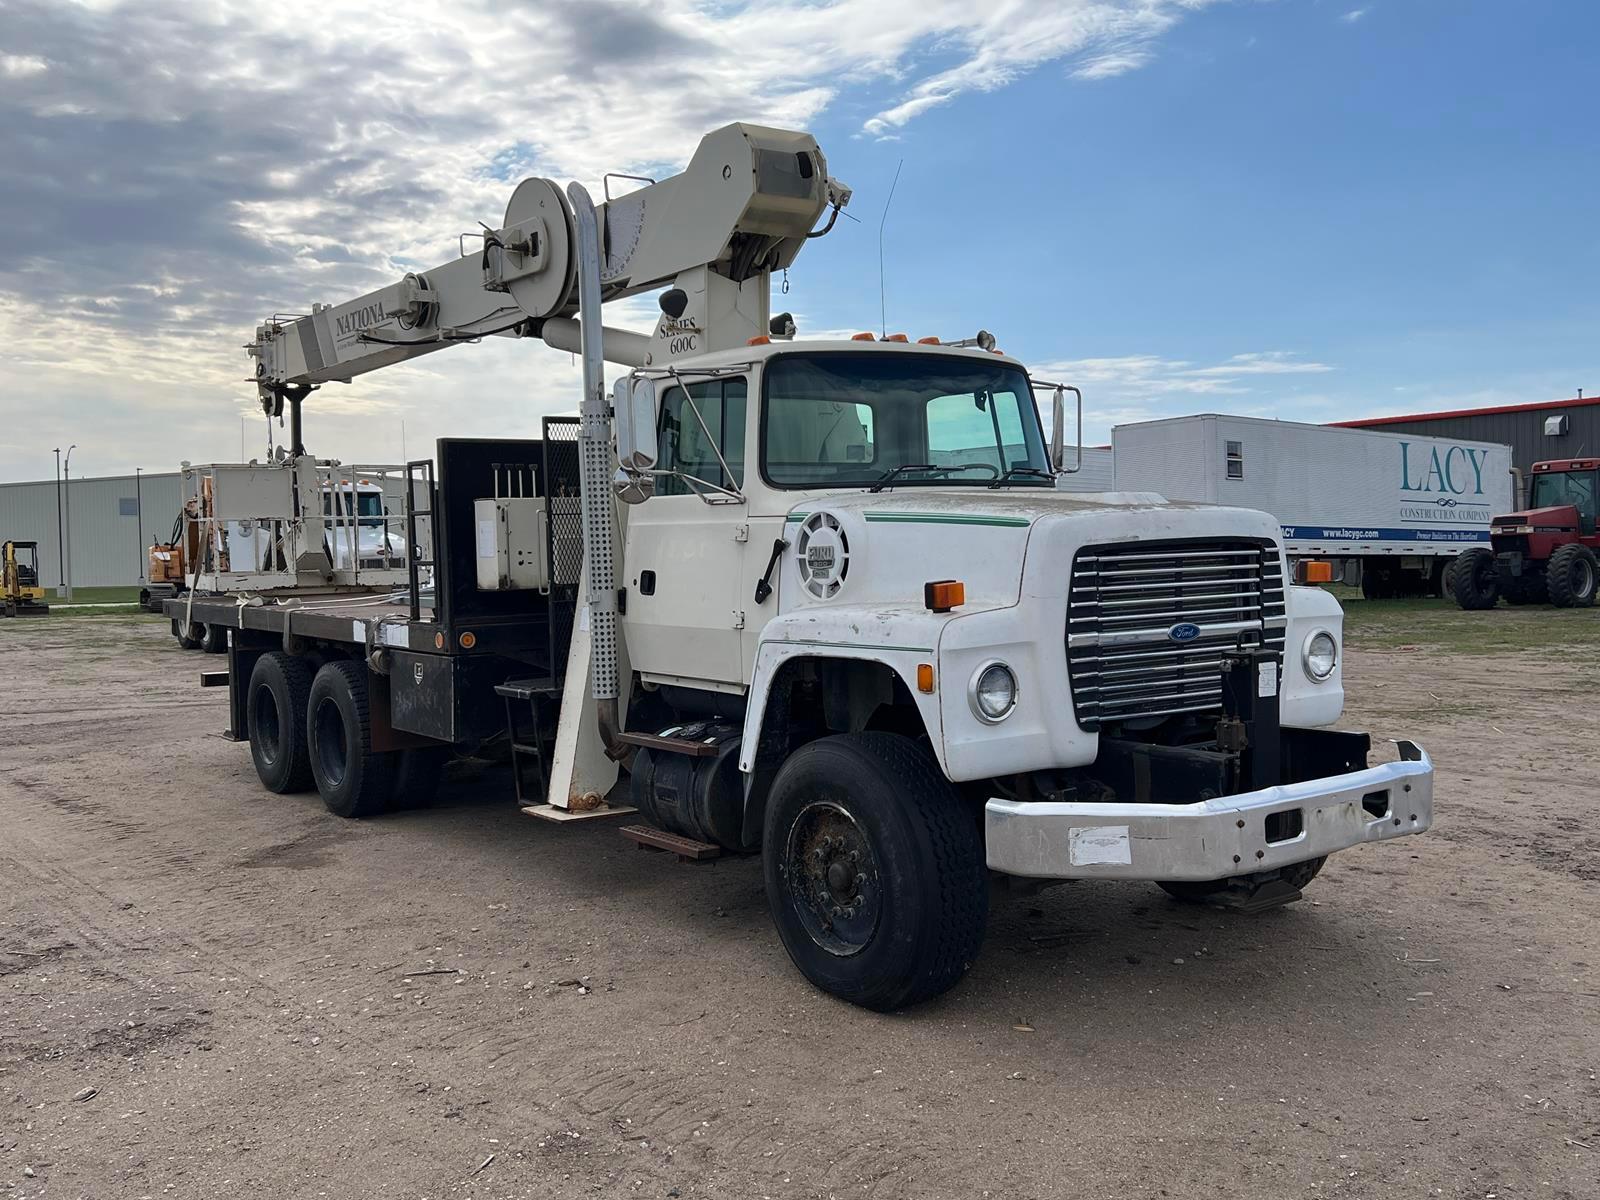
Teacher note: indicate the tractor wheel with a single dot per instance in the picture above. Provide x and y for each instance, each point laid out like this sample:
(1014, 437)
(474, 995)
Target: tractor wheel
(874, 870)
(1570, 577)
(355, 781)
(1477, 583)
(1447, 581)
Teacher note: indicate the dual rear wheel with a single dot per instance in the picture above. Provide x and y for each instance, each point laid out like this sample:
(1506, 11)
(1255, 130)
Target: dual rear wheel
(314, 729)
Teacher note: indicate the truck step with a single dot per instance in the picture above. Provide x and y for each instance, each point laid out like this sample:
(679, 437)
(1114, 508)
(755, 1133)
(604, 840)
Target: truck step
(213, 679)
(648, 837)
(562, 816)
(671, 745)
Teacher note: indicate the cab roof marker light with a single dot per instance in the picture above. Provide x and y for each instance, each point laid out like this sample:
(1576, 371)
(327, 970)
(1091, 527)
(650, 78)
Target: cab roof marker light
(862, 337)
(895, 337)
(929, 341)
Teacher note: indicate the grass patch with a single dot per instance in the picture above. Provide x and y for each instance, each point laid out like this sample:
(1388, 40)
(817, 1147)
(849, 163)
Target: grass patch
(97, 595)
(120, 612)
(1391, 624)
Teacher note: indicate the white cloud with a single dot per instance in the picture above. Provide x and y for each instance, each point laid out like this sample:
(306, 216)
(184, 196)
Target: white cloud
(1142, 387)
(20, 66)
(1354, 15)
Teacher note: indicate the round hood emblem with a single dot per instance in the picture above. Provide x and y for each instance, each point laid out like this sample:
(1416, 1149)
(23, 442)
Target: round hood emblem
(823, 551)
(1183, 631)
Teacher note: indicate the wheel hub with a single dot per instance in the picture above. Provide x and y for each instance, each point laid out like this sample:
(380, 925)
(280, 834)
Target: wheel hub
(832, 876)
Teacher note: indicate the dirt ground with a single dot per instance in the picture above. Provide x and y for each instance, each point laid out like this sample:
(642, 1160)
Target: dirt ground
(266, 1000)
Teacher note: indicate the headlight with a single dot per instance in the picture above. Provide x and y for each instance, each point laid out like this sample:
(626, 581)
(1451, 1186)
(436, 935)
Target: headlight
(993, 693)
(1321, 655)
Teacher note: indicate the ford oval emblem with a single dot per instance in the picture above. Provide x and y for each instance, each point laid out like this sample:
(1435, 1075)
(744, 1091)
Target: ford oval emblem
(1183, 631)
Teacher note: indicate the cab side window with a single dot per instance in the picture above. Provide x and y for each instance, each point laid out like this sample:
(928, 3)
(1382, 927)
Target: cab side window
(690, 446)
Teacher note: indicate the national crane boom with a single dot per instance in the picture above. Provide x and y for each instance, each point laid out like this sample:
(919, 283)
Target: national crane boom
(742, 209)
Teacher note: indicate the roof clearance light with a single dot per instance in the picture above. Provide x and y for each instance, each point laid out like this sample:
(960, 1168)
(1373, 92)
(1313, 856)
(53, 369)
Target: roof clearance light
(941, 595)
(862, 337)
(896, 337)
(929, 341)
(760, 339)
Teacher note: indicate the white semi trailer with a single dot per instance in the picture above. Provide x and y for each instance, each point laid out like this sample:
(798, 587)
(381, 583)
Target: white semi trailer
(810, 631)
(1393, 511)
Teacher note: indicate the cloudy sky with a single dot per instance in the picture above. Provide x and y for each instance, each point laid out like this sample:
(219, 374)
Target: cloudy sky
(1298, 208)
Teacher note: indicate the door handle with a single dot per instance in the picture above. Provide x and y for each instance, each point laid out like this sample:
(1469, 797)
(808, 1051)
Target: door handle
(763, 585)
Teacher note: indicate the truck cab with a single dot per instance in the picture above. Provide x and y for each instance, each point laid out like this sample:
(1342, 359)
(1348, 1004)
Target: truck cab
(849, 567)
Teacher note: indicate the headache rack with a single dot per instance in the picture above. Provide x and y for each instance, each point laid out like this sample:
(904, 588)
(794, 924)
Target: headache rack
(1147, 624)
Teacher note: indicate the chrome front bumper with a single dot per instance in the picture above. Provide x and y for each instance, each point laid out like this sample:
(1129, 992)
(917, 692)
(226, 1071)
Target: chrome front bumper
(1212, 839)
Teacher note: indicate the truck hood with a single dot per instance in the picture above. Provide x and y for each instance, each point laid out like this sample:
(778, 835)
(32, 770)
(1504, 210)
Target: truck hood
(880, 549)
(1562, 516)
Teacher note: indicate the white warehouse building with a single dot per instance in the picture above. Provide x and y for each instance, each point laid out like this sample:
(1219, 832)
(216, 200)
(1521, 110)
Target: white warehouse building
(113, 520)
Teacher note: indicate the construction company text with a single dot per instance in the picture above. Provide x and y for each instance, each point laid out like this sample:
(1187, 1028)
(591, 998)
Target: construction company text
(1444, 476)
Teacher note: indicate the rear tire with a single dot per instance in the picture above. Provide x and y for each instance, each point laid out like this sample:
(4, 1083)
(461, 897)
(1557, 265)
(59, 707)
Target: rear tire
(191, 637)
(354, 781)
(215, 639)
(1570, 577)
(1477, 582)
(275, 719)
(874, 870)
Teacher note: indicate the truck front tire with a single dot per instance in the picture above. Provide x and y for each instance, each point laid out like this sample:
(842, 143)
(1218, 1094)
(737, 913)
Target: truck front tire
(874, 870)
(353, 779)
(1570, 577)
(1477, 582)
(275, 719)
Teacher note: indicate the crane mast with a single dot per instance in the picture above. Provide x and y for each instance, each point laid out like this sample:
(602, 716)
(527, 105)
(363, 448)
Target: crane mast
(713, 235)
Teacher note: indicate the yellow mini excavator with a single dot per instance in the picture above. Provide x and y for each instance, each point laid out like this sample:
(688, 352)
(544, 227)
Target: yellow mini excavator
(20, 592)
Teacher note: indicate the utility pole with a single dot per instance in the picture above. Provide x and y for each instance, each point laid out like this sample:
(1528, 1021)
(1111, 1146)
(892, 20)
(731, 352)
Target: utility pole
(66, 481)
(138, 517)
(61, 541)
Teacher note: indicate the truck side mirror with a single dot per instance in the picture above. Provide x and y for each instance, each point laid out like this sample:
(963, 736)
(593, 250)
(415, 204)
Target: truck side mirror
(1058, 431)
(635, 403)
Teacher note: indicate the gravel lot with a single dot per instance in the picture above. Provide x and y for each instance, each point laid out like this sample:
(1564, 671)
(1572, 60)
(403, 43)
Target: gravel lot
(265, 1000)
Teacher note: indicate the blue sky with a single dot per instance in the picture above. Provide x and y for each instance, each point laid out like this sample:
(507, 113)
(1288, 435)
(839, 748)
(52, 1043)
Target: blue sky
(1410, 197)
(1293, 208)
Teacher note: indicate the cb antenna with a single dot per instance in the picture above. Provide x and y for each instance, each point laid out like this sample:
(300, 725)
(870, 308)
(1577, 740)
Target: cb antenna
(883, 306)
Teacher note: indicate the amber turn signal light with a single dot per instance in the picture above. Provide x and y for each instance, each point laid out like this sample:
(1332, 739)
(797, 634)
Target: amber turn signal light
(1317, 572)
(924, 677)
(944, 594)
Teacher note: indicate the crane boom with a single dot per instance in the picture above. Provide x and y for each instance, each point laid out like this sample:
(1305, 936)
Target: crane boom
(741, 209)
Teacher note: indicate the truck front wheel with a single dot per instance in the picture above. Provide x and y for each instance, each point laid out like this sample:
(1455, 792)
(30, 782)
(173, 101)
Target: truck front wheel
(1477, 582)
(275, 719)
(354, 780)
(1570, 577)
(874, 870)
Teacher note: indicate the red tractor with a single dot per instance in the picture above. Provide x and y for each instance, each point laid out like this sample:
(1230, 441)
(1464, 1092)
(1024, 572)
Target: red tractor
(1544, 553)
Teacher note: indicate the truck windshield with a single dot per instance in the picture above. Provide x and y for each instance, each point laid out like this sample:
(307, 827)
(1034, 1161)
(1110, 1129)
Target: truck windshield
(1576, 488)
(853, 419)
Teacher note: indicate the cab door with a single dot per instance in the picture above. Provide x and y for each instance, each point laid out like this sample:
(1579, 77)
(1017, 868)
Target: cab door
(684, 556)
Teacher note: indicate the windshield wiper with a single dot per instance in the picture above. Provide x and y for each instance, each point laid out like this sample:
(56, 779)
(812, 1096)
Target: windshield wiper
(1013, 472)
(888, 477)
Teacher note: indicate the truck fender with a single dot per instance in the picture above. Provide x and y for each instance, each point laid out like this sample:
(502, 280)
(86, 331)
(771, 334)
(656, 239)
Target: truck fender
(766, 711)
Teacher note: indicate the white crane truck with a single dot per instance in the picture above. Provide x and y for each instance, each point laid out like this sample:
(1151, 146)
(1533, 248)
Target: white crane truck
(842, 617)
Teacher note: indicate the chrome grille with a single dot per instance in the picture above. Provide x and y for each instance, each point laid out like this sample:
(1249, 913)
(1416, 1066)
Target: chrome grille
(1125, 600)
